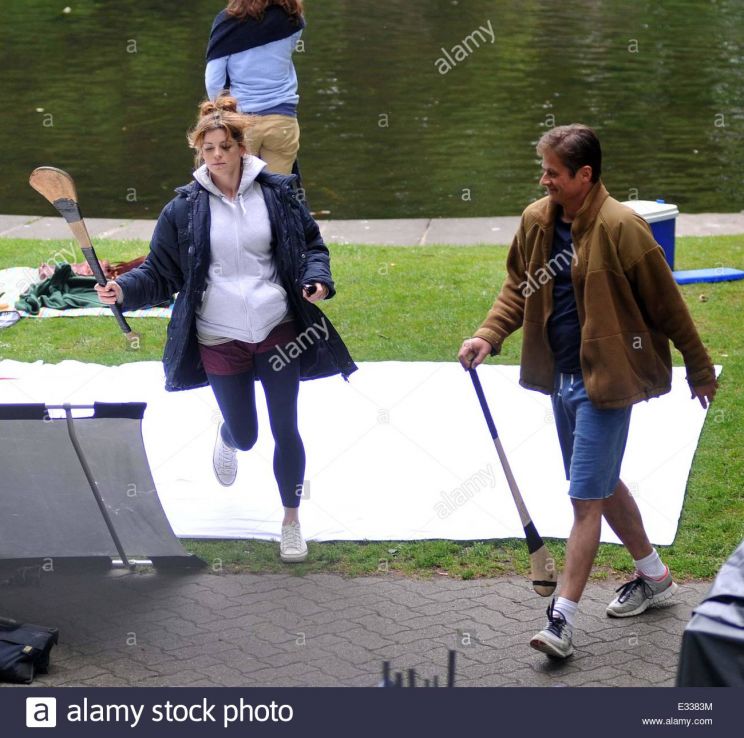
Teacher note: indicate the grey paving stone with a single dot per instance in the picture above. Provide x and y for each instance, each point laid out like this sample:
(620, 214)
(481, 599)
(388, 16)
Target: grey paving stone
(313, 629)
(427, 633)
(251, 648)
(176, 667)
(103, 680)
(383, 626)
(79, 672)
(367, 639)
(593, 677)
(336, 667)
(453, 619)
(180, 627)
(228, 676)
(409, 600)
(129, 669)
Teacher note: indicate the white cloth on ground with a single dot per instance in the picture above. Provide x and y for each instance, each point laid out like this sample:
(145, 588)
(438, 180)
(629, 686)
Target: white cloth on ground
(403, 452)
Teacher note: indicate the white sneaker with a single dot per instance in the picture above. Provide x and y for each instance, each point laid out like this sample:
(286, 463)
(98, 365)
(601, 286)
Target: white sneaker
(293, 547)
(224, 460)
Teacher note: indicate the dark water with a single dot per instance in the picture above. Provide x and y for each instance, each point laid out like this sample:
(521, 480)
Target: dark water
(384, 132)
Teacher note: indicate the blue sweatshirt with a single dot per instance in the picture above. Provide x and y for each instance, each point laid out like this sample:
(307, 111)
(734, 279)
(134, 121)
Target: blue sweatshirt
(263, 79)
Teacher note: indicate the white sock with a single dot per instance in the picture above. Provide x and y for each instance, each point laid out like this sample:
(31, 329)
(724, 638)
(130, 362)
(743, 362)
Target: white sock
(567, 608)
(651, 567)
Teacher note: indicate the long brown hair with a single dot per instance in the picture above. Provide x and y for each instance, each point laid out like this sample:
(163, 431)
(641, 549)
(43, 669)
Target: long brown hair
(255, 9)
(221, 114)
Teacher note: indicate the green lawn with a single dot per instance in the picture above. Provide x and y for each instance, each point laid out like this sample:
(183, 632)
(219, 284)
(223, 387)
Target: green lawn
(417, 304)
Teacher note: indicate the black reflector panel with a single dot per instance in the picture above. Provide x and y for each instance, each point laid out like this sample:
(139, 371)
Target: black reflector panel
(48, 503)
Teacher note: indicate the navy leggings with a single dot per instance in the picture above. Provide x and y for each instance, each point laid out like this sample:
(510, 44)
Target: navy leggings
(236, 397)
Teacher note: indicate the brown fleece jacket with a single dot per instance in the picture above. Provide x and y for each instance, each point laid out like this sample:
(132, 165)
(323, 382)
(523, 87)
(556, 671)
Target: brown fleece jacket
(628, 303)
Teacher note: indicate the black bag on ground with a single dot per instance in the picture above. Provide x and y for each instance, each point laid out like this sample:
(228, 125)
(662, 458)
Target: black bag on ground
(24, 650)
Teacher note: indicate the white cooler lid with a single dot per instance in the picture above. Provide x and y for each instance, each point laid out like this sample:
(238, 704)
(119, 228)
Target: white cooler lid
(652, 211)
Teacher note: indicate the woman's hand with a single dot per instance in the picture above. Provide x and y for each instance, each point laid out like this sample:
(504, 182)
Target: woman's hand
(473, 352)
(320, 292)
(110, 293)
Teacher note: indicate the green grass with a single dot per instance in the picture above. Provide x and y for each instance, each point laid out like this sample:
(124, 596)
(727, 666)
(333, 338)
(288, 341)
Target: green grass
(416, 304)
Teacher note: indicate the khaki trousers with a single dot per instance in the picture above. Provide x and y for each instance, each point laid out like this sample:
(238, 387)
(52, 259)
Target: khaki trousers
(275, 139)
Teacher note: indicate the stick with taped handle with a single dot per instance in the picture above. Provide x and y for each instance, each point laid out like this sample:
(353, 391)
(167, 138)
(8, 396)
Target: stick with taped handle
(58, 187)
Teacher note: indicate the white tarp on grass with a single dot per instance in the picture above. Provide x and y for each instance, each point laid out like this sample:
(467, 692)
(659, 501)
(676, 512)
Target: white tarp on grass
(401, 452)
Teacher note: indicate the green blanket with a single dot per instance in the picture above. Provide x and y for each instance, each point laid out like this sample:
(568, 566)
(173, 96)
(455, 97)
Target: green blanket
(62, 290)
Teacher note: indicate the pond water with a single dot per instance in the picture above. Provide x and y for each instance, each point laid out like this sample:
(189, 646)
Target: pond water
(405, 110)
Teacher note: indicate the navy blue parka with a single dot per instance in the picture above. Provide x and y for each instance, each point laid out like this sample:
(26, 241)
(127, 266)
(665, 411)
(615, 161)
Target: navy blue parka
(178, 262)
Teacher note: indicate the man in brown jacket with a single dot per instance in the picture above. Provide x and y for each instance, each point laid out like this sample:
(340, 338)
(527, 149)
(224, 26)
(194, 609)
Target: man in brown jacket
(598, 305)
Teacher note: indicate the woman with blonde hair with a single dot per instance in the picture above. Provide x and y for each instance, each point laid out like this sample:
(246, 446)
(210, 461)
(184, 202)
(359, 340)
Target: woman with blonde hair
(248, 264)
(250, 54)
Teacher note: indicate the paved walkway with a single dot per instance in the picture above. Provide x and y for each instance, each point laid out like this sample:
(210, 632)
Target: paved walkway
(205, 629)
(409, 232)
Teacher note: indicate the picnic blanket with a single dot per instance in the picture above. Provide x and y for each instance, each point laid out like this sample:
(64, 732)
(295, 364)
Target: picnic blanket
(100, 311)
(64, 289)
(39, 300)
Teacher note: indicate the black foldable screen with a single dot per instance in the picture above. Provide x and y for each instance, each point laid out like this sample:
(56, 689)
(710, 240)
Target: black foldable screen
(47, 507)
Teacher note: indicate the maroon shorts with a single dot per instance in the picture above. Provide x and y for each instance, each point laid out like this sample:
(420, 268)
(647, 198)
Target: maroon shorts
(236, 357)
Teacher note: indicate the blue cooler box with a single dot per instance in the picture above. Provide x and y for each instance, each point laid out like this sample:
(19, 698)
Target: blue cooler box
(661, 216)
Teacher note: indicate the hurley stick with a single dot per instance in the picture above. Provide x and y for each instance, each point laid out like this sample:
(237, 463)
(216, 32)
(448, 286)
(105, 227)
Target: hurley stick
(58, 187)
(544, 573)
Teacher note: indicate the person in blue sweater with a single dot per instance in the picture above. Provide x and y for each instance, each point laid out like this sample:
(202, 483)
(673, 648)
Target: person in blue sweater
(250, 54)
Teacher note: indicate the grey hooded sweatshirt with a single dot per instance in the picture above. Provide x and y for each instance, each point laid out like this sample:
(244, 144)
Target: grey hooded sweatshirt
(243, 299)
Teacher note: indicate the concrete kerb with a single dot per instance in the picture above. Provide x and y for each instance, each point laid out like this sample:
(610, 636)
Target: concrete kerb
(380, 232)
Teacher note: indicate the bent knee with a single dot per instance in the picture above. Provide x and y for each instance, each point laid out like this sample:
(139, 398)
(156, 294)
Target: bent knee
(244, 441)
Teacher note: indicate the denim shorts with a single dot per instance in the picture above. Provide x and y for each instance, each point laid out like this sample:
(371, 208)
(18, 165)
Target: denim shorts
(592, 440)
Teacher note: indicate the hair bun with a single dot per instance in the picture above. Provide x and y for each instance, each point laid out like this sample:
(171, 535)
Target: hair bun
(223, 104)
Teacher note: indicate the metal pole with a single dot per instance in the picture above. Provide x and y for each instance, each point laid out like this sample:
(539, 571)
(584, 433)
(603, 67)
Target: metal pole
(93, 484)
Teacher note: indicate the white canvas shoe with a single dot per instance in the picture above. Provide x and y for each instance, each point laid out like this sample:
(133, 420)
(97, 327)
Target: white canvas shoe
(224, 460)
(293, 547)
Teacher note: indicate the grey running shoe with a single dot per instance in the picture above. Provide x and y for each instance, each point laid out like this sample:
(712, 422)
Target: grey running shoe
(555, 638)
(639, 594)
(224, 460)
(292, 547)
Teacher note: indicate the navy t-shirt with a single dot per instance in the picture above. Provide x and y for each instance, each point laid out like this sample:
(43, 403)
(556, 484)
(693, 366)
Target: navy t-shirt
(564, 330)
